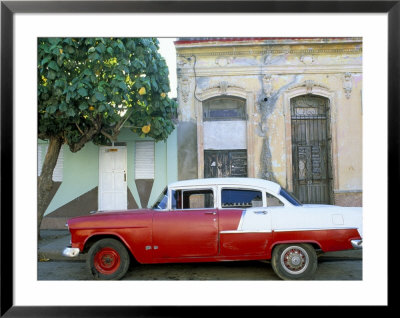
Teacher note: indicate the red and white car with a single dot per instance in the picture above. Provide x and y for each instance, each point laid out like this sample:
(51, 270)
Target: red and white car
(211, 220)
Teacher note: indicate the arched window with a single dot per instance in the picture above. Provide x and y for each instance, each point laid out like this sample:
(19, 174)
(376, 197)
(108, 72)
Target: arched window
(224, 108)
(225, 137)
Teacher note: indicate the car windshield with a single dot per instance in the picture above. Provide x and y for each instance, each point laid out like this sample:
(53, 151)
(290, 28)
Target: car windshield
(162, 201)
(290, 197)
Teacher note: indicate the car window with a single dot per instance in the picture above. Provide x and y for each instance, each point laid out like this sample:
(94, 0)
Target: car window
(241, 198)
(192, 199)
(162, 201)
(273, 200)
(290, 197)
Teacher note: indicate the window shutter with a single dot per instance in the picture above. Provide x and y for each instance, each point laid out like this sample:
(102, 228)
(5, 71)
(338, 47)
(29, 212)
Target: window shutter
(58, 170)
(144, 160)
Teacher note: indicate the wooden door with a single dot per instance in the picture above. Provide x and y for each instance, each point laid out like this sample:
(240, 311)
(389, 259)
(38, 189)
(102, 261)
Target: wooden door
(112, 179)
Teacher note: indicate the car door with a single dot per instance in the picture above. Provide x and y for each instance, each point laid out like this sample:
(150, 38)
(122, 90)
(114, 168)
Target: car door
(189, 228)
(245, 222)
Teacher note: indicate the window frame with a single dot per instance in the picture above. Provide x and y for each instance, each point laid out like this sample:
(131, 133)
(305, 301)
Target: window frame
(199, 188)
(207, 103)
(232, 187)
(275, 196)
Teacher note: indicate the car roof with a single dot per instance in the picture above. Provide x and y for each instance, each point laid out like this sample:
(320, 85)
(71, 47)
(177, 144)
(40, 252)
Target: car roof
(267, 185)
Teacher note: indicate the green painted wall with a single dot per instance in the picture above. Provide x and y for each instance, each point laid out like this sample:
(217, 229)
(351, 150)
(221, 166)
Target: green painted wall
(80, 175)
(81, 169)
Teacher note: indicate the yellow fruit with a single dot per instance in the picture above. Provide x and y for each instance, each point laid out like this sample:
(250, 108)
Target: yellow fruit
(146, 129)
(163, 95)
(61, 51)
(91, 107)
(142, 91)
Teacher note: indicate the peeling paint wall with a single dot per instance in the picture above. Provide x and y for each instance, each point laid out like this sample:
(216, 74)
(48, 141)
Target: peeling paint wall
(267, 74)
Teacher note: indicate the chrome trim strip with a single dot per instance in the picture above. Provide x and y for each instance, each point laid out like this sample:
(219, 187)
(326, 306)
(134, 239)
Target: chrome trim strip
(316, 229)
(240, 232)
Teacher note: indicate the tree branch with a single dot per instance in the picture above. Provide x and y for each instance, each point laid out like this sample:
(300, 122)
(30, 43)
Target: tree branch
(90, 134)
(77, 126)
(111, 137)
(123, 120)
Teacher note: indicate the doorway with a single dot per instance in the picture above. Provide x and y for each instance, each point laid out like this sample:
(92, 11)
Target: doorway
(311, 144)
(112, 178)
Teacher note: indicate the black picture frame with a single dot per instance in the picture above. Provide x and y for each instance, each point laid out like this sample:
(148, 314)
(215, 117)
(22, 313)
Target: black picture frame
(9, 8)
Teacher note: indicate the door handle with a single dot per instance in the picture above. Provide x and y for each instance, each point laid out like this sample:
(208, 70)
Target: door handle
(213, 213)
(261, 212)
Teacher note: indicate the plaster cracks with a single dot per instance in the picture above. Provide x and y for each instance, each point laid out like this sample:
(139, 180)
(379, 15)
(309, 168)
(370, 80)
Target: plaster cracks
(277, 59)
(267, 107)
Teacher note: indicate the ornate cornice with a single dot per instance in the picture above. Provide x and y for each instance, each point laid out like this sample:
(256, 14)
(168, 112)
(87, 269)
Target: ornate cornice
(232, 52)
(256, 70)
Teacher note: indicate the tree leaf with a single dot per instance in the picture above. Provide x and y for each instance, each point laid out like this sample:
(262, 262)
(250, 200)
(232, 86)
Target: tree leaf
(51, 109)
(70, 112)
(83, 92)
(83, 106)
(53, 65)
(99, 96)
(63, 107)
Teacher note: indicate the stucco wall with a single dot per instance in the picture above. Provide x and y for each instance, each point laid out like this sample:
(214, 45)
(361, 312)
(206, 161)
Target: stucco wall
(81, 175)
(268, 73)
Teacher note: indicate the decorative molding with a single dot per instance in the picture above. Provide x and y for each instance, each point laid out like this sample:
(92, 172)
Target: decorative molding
(347, 84)
(224, 61)
(307, 59)
(309, 85)
(225, 54)
(256, 70)
(267, 85)
(222, 88)
(184, 88)
(183, 61)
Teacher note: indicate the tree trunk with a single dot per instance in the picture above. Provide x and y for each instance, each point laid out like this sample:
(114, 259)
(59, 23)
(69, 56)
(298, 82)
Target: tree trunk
(45, 181)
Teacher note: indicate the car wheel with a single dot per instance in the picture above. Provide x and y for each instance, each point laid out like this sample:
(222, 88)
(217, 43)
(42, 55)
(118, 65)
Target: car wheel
(294, 261)
(108, 259)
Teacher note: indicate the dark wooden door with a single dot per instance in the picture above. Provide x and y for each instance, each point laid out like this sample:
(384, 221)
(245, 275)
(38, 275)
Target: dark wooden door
(311, 149)
(225, 163)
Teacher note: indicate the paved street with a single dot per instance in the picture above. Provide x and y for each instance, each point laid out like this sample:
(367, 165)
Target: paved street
(328, 269)
(343, 265)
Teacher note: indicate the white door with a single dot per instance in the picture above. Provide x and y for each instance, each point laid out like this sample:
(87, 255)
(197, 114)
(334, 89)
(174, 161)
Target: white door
(112, 179)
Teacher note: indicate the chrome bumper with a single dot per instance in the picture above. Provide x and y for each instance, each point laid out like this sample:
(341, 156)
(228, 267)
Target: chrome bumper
(357, 244)
(71, 252)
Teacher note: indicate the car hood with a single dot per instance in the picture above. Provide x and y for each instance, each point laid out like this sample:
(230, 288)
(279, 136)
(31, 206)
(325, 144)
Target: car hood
(111, 219)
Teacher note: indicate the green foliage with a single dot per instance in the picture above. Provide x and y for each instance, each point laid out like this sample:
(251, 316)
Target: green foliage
(87, 84)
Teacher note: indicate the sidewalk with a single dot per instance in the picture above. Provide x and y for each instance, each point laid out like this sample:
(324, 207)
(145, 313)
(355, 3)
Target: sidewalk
(53, 242)
(51, 245)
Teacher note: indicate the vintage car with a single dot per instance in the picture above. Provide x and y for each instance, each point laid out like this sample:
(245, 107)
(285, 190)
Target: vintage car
(212, 220)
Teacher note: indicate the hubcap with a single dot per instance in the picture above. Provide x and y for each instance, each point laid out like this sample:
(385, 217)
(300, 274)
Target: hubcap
(107, 260)
(294, 260)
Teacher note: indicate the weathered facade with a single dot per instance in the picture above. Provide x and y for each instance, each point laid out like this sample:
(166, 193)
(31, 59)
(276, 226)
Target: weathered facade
(282, 109)
(131, 174)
